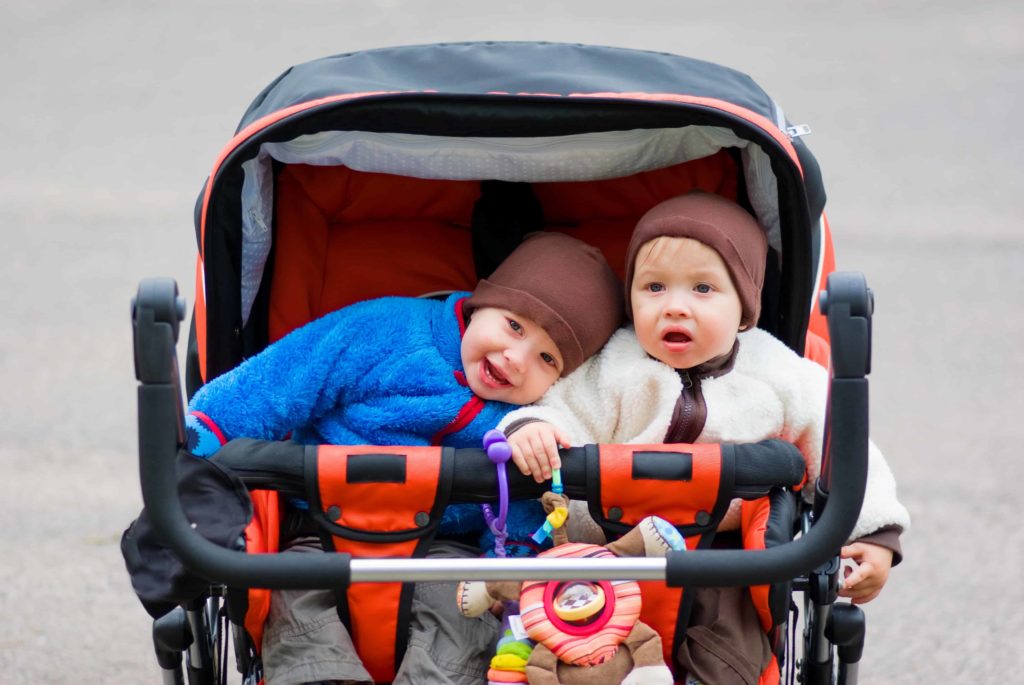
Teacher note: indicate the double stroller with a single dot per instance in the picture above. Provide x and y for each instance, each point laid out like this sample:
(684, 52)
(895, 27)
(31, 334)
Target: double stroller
(413, 171)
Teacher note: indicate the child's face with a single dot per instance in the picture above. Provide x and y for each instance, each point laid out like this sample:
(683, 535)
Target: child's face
(508, 357)
(685, 308)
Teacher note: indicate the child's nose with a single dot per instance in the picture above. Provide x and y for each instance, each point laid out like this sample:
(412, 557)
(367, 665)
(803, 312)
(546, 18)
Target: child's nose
(678, 304)
(516, 358)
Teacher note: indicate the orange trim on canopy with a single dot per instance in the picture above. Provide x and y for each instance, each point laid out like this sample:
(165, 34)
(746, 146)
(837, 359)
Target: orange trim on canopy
(817, 323)
(199, 314)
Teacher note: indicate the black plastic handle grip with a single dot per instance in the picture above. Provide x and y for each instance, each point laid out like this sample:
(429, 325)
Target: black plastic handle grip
(280, 466)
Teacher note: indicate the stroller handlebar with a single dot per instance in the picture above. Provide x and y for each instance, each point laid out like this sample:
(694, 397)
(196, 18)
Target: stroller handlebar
(259, 464)
(157, 311)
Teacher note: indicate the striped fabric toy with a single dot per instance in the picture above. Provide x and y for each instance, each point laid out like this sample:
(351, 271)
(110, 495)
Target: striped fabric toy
(581, 623)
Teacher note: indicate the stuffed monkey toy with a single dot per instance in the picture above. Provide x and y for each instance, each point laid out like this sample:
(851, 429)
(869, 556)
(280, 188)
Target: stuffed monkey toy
(586, 632)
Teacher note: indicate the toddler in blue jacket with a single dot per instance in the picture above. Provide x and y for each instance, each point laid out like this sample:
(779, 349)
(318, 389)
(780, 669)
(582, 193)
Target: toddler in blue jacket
(411, 371)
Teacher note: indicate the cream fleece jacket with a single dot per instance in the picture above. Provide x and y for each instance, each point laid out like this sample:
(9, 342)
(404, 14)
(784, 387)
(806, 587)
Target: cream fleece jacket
(623, 396)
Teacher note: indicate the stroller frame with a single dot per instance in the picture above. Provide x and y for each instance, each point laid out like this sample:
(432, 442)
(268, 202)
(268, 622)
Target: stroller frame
(834, 632)
(811, 559)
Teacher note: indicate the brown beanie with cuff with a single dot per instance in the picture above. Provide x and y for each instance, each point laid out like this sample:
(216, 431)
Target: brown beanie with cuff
(720, 224)
(563, 285)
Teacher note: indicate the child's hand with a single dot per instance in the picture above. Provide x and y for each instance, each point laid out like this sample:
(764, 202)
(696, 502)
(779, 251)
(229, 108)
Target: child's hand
(863, 583)
(535, 449)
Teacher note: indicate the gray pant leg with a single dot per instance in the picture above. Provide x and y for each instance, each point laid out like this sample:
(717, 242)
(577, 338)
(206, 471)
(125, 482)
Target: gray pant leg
(445, 647)
(304, 641)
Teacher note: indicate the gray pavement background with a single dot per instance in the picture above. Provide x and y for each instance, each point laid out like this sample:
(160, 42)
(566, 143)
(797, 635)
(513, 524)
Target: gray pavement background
(113, 113)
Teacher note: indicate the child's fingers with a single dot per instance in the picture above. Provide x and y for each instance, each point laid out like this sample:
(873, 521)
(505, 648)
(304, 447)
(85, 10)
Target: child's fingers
(861, 592)
(865, 581)
(852, 576)
(535, 450)
(542, 459)
(529, 462)
(861, 584)
(852, 551)
(550, 440)
(519, 459)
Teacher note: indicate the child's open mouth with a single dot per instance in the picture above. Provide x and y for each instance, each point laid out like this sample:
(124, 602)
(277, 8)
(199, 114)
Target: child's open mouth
(491, 376)
(676, 340)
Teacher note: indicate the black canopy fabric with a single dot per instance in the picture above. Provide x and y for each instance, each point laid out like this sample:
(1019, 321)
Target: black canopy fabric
(497, 67)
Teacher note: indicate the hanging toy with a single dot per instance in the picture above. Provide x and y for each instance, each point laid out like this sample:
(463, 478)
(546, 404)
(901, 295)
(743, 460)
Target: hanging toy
(499, 452)
(555, 520)
(513, 651)
(586, 632)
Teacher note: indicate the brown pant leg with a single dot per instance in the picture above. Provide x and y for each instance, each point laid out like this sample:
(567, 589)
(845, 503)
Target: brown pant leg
(304, 641)
(724, 643)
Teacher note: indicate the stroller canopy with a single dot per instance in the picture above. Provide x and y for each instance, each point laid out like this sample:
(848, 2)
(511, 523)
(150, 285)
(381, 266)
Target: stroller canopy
(531, 112)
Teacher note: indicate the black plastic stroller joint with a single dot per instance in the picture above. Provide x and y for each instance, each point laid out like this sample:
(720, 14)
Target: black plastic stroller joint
(157, 317)
(846, 628)
(171, 636)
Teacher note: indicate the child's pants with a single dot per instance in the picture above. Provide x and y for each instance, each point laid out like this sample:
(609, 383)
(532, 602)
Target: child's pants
(304, 640)
(724, 642)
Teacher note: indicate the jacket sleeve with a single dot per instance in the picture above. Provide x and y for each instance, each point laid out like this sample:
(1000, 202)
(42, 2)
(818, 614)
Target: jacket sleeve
(881, 508)
(290, 383)
(805, 427)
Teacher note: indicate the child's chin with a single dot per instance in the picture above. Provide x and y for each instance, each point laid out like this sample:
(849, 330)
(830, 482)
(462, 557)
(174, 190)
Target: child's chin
(498, 395)
(508, 395)
(486, 392)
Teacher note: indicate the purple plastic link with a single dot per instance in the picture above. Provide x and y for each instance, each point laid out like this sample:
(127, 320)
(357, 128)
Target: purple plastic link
(492, 436)
(499, 452)
(500, 534)
(502, 496)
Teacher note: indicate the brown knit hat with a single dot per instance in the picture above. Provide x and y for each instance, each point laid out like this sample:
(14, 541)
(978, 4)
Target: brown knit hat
(563, 285)
(720, 224)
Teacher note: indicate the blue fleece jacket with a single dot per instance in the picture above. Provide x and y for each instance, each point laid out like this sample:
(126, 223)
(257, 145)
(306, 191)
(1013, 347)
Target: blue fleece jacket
(380, 372)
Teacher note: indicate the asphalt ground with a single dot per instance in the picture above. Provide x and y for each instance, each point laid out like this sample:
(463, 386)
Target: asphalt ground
(113, 113)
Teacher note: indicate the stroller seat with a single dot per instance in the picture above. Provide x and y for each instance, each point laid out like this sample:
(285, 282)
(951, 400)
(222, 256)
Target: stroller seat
(330, 219)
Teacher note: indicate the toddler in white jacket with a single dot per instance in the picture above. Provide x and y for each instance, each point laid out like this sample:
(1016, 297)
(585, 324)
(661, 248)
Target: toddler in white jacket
(693, 368)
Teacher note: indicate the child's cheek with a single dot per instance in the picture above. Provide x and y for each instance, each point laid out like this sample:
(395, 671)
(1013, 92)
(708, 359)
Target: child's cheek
(647, 336)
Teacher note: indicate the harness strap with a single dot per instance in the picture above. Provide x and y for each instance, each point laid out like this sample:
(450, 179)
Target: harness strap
(384, 506)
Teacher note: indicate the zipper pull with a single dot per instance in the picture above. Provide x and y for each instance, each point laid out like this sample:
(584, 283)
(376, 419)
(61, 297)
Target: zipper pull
(684, 376)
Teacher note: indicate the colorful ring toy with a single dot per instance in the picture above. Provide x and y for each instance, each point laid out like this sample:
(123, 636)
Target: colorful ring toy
(594, 639)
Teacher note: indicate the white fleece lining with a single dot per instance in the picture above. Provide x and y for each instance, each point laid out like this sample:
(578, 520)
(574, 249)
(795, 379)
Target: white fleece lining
(581, 157)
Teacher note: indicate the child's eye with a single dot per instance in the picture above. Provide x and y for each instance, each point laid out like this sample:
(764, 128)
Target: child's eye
(548, 359)
(702, 288)
(656, 287)
(515, 325)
